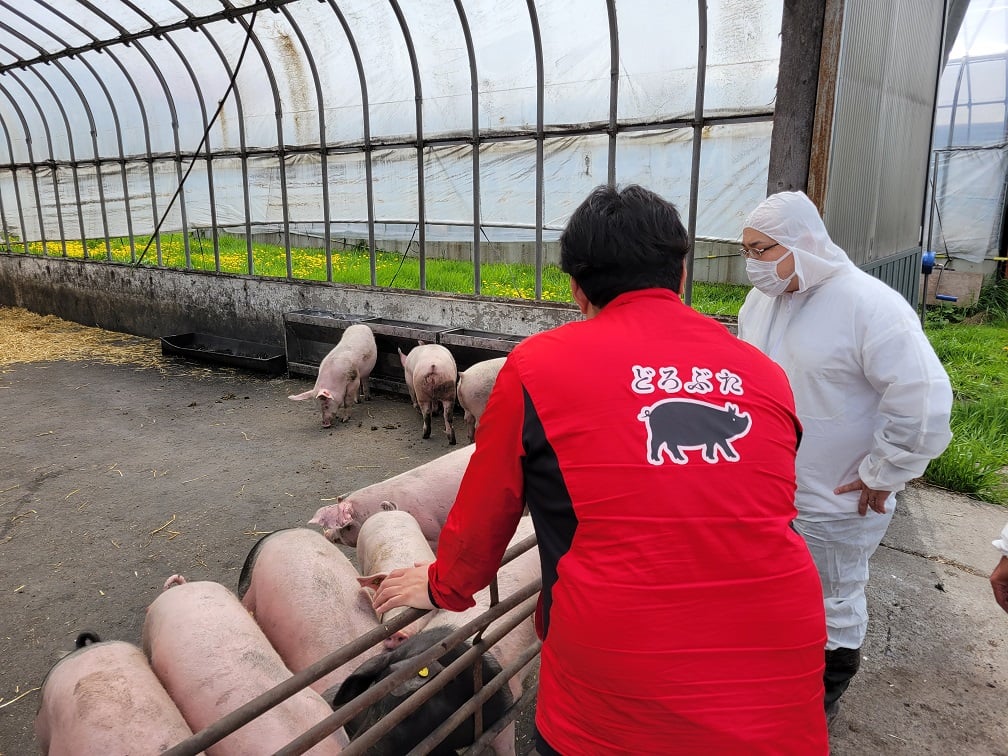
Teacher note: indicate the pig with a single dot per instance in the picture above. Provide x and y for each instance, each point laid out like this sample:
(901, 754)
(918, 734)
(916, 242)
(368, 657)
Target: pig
(305, 596)
(475, 383)
(343, 374)
(677, 424)
(212, 658)
(511, 577)
(427, 492)
(388, 540)
(102, 699)
(418, 725)
(431, 375)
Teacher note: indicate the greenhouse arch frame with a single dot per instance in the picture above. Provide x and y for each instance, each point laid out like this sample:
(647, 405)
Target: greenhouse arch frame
(445, 128)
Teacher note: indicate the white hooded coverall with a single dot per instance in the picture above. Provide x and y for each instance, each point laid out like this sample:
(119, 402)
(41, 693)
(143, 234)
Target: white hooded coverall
(871, 394)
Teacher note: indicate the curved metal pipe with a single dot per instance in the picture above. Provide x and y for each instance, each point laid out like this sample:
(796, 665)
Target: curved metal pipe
(17, 188)
(323, 154)
(540, 138)
(143, 118)
(171, 105)
(52, 161)
(281, 147)
(474, 86)
(418, 99)
(365, 105)
(698, 124)
(613, 87)
(242, 144)
(206, 132)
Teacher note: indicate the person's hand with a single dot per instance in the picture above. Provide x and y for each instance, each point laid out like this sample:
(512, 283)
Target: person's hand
(871, 498)
(403, 587)
(999, 582)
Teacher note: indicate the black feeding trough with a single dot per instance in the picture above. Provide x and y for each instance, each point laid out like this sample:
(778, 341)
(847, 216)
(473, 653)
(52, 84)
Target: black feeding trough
(219, 350)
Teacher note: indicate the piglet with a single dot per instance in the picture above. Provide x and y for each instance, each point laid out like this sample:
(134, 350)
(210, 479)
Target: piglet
(343, 374)
(305, 596)
(431, 375)
(475, 383)
(104, 699)
(212, 658)
(427, 492)
(389, 540)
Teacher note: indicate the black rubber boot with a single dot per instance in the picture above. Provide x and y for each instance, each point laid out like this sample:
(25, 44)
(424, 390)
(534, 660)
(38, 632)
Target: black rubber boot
(841, 666)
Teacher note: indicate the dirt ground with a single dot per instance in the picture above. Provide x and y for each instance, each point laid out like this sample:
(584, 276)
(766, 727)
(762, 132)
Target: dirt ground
(116, 474)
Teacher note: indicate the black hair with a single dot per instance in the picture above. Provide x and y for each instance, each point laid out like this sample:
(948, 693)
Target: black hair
(621, 240)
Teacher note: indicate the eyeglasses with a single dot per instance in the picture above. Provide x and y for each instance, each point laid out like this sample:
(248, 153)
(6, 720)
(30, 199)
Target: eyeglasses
(756, 252)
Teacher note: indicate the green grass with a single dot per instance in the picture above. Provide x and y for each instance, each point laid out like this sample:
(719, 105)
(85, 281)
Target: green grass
(973, 346)
(972, 343)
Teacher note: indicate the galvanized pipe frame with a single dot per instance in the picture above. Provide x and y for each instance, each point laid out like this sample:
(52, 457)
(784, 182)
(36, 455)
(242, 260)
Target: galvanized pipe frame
(206, 131)
(366, 116)
(612, 126)
(34, 174)
(143, 116)
(49, 142)
(243, 155)
(98, 165)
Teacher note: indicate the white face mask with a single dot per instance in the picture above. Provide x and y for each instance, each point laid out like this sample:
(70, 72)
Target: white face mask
(763, 275)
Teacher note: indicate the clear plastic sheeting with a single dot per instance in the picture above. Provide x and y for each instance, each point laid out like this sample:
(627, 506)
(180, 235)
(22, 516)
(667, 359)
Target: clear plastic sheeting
(970, 186)
(970, 161)
(106, 107)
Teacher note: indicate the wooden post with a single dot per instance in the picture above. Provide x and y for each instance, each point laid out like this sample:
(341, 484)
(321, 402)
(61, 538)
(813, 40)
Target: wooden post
(797, 91)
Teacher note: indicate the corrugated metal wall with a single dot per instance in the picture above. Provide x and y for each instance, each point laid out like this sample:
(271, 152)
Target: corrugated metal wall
(881, 135)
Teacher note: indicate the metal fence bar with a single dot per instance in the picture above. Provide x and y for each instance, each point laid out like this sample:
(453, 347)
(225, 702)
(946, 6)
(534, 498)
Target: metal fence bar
(698, 125)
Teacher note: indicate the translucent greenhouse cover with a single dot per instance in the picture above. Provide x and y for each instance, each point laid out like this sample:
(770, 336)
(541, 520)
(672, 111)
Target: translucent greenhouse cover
(971, 137)
(110, 132)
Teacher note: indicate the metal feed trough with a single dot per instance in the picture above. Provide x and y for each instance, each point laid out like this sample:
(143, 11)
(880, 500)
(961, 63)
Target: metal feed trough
(525, 601)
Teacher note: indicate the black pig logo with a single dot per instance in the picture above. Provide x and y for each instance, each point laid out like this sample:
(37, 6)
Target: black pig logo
(677, 424)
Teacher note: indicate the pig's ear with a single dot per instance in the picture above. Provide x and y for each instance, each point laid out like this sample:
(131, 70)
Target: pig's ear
(421, 342)
(309, 394)
(402, 357)
(372, 581)
(366, 675)
(389, 506)
(324, 394)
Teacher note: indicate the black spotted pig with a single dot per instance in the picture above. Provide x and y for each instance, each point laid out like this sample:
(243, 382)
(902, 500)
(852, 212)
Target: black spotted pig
(105, 699)
(431, 375)
(212, 658)
(343, 374)
(474, 386)
(305, 595)
(427, 492)
(511, 577)
(677, 424)
(387, 541)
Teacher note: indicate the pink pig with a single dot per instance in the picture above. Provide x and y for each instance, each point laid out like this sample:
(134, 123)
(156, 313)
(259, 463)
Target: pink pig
(304, 594)
(211, 657)
(431, 375)
(389, 540)
(343, 374)
(427, 492)
(474, 386)
(104, 698)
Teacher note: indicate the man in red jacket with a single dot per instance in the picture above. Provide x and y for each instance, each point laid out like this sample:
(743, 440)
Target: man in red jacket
(680, 613)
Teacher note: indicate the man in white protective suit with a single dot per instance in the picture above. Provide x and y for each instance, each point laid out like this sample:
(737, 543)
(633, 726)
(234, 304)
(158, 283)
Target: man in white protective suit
(872, 396)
